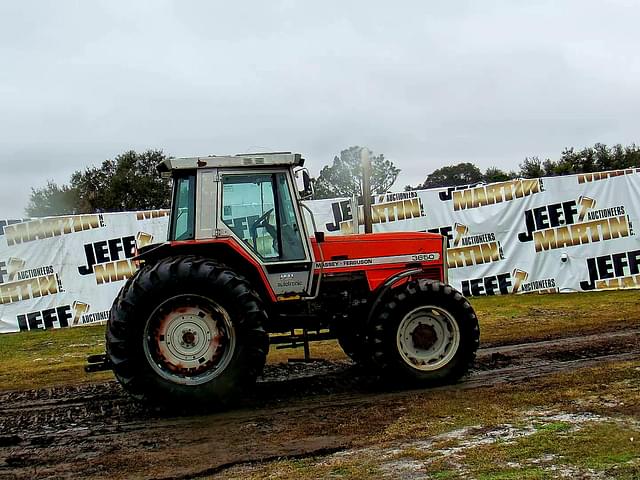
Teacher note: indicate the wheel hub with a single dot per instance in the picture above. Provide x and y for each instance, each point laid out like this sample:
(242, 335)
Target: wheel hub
(424, 336)
(189, 340)
(428, 338)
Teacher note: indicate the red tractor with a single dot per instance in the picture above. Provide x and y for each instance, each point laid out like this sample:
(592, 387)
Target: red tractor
(193, 324)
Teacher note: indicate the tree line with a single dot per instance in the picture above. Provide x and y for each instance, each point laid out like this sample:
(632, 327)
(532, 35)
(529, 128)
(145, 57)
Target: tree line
(598, 158)
(129, 182)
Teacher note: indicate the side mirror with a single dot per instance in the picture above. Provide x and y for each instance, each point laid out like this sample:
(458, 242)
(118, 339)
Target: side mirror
(305, 185)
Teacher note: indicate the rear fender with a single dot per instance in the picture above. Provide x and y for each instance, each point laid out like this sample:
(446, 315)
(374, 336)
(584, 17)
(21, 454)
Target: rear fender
(221, 250)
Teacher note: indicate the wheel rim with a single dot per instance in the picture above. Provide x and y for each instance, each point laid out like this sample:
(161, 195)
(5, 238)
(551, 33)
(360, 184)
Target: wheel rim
(428, 338)
(189, 340)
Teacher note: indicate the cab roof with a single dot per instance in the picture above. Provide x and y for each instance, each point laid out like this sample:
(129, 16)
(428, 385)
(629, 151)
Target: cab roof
(231, 161)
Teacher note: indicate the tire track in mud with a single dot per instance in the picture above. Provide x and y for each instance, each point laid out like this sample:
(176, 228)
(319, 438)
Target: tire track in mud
(96, 427)
(324, 377)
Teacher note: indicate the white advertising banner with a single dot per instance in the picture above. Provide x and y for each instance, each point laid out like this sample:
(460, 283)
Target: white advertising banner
(65, 271)
(560, 234)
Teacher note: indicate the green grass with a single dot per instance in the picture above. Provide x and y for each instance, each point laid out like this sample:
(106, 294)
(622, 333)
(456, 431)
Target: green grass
(516, 318)
(48, 358)
(531, 473)
(445, 475)
(597, 446)
(598, 436)
(554, 427)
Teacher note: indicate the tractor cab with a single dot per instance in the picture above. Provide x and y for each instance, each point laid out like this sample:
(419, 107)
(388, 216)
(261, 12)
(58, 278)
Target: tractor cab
(253, 202)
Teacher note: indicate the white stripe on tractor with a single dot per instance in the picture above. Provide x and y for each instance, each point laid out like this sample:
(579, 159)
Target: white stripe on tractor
(357, 262)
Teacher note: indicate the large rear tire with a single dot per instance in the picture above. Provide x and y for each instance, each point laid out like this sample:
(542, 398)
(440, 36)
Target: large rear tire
(187, 331)
(426, 333)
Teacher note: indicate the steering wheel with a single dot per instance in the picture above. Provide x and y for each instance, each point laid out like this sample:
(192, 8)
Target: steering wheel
(261, 221)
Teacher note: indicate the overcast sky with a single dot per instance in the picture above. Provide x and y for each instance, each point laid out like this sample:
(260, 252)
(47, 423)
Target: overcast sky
(425, 84)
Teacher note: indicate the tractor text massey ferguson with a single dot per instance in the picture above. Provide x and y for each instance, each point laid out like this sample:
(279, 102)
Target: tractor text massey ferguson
(192, 325)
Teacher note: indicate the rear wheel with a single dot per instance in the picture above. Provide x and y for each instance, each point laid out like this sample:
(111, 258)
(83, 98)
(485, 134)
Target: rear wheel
(189, 340)
(426, 333)
(187, 331)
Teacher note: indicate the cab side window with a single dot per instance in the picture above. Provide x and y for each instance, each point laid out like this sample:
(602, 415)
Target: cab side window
(183, 217)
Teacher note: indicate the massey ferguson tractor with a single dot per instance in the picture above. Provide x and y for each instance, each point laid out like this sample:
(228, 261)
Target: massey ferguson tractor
(192, 326)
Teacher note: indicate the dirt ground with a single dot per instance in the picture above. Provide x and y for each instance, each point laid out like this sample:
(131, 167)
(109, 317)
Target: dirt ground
(328, 418)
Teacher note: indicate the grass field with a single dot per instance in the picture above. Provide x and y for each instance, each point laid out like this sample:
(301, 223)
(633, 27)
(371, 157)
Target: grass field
(48, 358)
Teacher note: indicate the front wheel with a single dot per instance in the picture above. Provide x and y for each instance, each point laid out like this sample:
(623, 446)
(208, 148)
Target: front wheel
(354, 346)
(426, 333)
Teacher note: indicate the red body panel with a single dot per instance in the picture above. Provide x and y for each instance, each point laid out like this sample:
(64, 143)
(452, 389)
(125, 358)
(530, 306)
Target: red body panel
(380, 255)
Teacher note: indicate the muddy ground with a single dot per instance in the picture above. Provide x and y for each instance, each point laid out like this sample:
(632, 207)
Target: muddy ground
(296, 411)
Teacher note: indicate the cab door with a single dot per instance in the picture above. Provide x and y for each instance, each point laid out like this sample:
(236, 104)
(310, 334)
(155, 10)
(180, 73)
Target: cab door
(260, 210)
